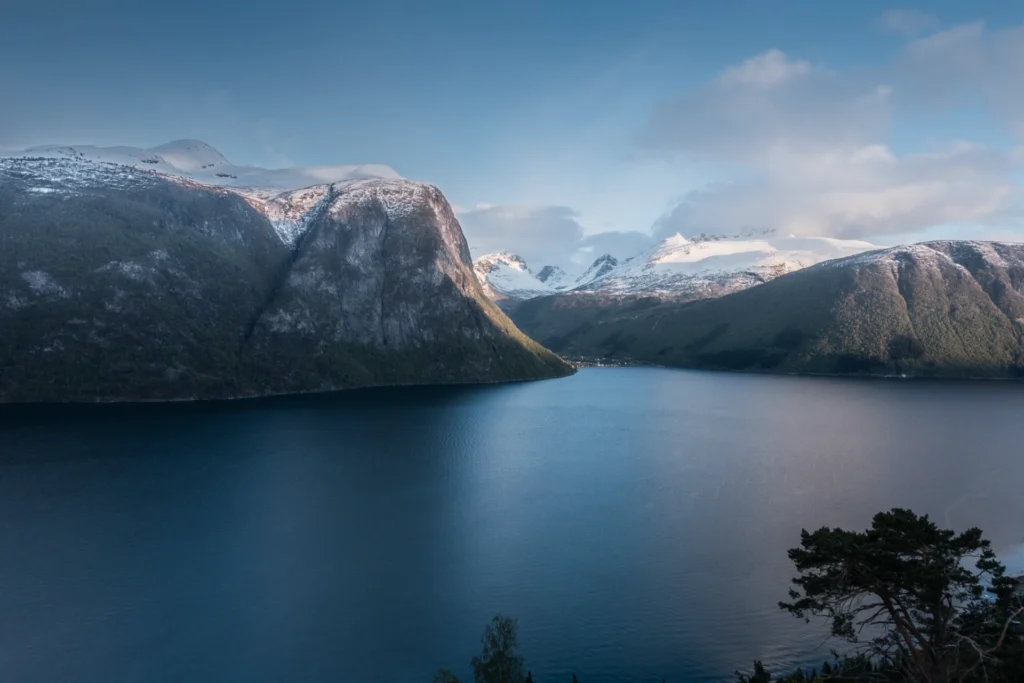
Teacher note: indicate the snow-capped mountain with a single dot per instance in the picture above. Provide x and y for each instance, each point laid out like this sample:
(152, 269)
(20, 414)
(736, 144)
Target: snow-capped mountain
(676, 268)
(598, 269)
(506, 276)
(195, 160)
(555, 277)
(680, 267)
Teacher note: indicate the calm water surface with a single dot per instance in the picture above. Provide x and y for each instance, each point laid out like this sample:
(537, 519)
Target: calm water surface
(635, 520)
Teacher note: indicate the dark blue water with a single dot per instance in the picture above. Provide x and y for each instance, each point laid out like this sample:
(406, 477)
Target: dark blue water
(634, 520)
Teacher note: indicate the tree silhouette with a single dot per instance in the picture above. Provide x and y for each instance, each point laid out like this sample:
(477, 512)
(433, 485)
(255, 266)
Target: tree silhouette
(498, 661)
(914, 588)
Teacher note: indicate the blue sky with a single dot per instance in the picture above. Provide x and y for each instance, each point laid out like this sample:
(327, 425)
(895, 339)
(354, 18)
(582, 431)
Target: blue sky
(561, 129)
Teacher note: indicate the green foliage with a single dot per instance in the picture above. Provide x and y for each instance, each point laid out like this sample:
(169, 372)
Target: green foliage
(445, 676)
(498, 661)
(759, 675)
(914, 588)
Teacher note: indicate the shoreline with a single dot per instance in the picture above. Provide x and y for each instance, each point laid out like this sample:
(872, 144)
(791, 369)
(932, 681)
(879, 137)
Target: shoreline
(224, 400)
(577, 365)
(592, 363)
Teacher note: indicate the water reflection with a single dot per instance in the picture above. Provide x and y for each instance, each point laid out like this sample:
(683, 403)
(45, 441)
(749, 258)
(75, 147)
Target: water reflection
(635, 520)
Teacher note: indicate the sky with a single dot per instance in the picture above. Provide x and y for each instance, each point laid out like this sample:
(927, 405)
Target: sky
(564, 130)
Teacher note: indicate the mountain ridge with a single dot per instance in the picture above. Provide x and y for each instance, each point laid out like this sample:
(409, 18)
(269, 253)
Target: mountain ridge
(198, 161)
(936, 309)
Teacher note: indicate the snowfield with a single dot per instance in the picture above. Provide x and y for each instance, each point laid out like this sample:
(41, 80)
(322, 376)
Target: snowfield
(506, 276)
(676, 268)
(197, 161)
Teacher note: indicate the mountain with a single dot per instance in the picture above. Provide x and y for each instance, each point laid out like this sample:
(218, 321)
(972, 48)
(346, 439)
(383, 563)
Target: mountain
(555, 278)
(677, 268)
(705, 267)
(506, 276)
(119, 283)
(939, 309)
(601, 267)
(198, 161)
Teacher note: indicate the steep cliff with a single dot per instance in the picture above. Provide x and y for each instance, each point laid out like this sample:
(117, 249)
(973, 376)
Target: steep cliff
(122, 284)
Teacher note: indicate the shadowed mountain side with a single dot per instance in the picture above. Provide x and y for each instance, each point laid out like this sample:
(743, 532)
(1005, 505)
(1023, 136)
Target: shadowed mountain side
(937, 309)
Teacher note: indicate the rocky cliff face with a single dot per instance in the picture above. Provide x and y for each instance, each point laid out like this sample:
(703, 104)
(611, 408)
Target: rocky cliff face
(116, 283)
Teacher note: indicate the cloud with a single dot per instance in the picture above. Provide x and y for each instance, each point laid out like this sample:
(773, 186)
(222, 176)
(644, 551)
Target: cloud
(809, 151)
(543, 235)
(537, 233)
(907, 22)
(768, 103)
(767, 70)
(620, 244)
(867, 192)
(965, 65)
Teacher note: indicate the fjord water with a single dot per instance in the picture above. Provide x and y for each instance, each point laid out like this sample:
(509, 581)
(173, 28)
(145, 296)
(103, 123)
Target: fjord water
(635, 520)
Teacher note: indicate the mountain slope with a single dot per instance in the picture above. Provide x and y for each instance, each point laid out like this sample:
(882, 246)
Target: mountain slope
(506, 276)
(123, 284)
(933, 309)
(600, 268)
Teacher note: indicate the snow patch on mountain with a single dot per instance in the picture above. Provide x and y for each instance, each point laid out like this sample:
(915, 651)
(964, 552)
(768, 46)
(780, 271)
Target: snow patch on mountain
(72, 175)
(712, 266)
(289, 212)
(506, 276)
(399, 198)
(676, 268)
(197, 161)
(598, 269)
(555, 278)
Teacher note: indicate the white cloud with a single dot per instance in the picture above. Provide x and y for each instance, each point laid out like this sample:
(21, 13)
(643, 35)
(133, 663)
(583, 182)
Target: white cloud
(907, 22)
(809, 147)
(765, 70)
(537, 233)
(968, 64)
(866, 192)
(769, 103)
(617, 243)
